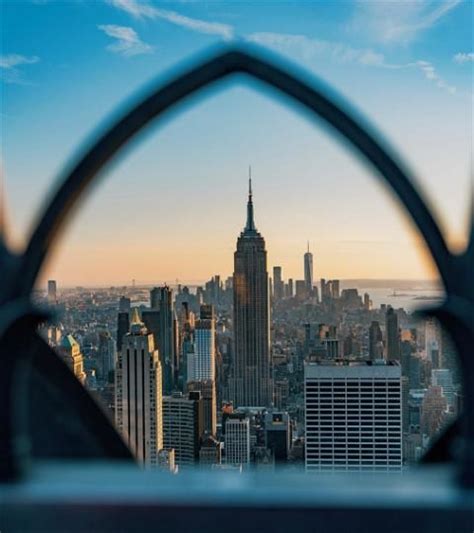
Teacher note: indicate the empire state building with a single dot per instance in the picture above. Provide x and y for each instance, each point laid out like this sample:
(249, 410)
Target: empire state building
(250, 383)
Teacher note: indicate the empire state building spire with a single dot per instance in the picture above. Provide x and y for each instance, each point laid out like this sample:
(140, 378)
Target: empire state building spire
(250, 382)
(250, 226)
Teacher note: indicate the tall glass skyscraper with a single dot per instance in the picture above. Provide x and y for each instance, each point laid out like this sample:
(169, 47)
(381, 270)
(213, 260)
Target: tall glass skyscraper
(250, 384)
(308, 272)
(161, 299)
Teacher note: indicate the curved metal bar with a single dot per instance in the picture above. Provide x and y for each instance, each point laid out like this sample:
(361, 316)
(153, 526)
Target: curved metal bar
(164, 98)
(454, 270)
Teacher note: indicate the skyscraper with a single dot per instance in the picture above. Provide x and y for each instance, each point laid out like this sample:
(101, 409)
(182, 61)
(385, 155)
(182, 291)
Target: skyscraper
(353, 417)
(161, 298)
(237, 439)
(277, 434)
(375, 341)
(207, 389)
(278, 285)
(106, 354)
(138, 393)
(123, 327)
(52, 292)
(123, 320)
(250, 384)
(308, 272)
(183, 426)
(70, 352)
(203, 362)
(392, 335)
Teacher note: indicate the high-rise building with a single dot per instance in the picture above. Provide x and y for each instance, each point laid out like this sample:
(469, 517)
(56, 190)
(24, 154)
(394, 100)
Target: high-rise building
(308, 271)
(138, 393)
(324, 290)
(210, 452)
(161, 298)
(289, 288)
(237, 439)
(392, 335)
(449, 357)
(207, 389)
(151, 319)
(202, 365)
(300, 293)
(124, 305)
(353, 416)
(183, 426)
(123, 327)
(52, 292)
(442, 377)
(166, 461)
(367, 301)
(70, 353)
(433, 411)
(375, 341)
(123, 320)
(106, 354)
(250, 384)
(278, 285)
(335, 284)
(277, 434)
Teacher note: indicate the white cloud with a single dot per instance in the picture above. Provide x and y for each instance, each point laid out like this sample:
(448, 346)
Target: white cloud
(145, 10)
(9, 67)
(127, 41)
(11, 61)
(430, 73)
(309, 48)
(399, 21)
(464, 57)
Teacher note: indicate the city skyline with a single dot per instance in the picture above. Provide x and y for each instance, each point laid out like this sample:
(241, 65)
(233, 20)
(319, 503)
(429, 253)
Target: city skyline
(159, 202)
(352, 258)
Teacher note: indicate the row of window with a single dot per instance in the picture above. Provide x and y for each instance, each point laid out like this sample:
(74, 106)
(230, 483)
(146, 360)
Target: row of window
(385, 439)
(365, 386)
(344, 401)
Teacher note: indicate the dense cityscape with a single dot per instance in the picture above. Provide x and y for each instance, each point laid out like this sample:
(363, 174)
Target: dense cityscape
(259, 372)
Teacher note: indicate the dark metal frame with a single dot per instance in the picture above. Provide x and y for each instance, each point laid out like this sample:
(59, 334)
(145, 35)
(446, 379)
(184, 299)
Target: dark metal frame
(17, 315)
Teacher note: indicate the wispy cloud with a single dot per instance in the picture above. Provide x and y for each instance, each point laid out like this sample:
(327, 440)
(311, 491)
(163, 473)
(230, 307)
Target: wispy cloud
(146, 10)
(127, 42)
(464, 57)
(399, 21)
(309, 48)
(11, 61)
(430, 73)
(9, 67)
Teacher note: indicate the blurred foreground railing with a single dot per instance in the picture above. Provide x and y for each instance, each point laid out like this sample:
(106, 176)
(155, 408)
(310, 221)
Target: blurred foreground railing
(34, 381)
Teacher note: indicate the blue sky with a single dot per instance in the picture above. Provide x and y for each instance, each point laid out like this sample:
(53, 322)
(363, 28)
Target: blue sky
(176, 201)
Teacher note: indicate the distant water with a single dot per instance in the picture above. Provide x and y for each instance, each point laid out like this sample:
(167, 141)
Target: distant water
(413, 297)
(409, 299)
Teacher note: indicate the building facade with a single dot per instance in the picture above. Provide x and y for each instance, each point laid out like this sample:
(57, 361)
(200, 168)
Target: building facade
(237, 439)
(308, 272)
(392, 334)
(71, 354)
(138, 394)
(183, 426)
(161, 299)
(250, 384)
(353, 418)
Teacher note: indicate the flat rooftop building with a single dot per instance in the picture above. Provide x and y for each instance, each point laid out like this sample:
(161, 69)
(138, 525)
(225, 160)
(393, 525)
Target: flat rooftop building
(353, 416)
